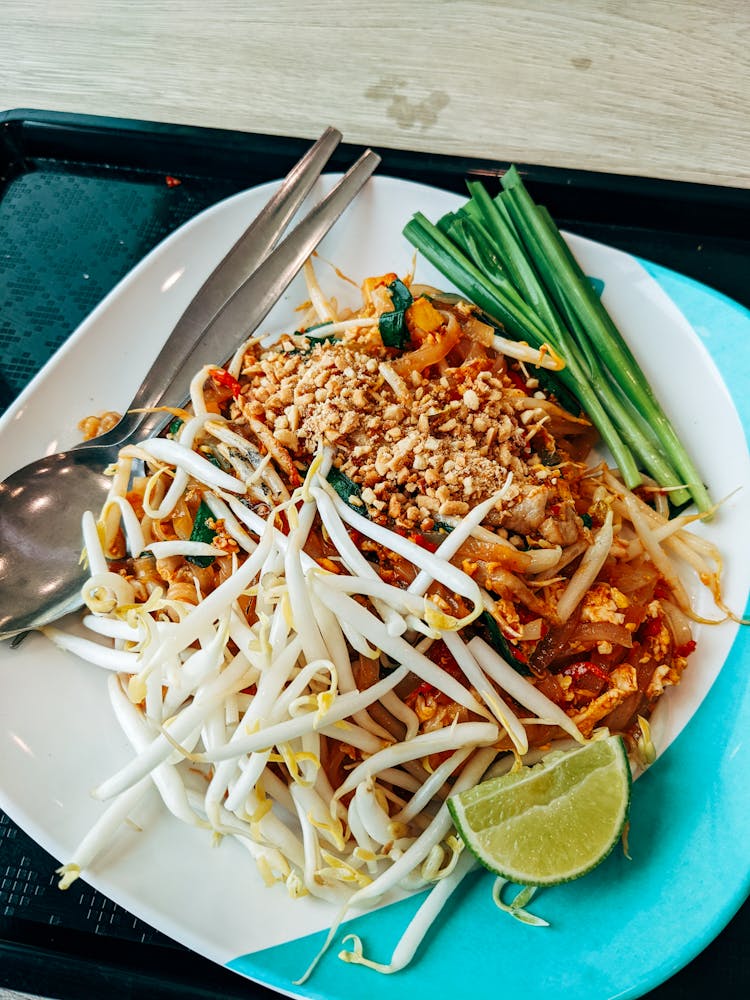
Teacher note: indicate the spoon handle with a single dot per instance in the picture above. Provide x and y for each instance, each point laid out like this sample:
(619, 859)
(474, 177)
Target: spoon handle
(250, 250)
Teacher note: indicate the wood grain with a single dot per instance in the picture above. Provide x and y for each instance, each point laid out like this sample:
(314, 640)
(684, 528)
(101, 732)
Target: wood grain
(658, 87)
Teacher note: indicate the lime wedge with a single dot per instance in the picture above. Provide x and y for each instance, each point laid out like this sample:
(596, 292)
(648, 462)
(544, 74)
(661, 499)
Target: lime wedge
(551, 822)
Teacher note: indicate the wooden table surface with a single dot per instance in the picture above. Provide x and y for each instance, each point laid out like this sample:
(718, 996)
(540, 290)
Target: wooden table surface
(656, 87)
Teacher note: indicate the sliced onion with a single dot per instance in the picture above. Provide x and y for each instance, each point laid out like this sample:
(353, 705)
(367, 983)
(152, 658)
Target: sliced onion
(679, 623)
(588, 634)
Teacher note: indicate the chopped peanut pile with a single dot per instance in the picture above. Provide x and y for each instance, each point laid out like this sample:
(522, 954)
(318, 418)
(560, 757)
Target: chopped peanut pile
(421, 448)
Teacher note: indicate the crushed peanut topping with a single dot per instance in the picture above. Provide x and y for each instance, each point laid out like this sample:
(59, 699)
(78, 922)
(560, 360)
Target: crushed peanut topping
(418, 447)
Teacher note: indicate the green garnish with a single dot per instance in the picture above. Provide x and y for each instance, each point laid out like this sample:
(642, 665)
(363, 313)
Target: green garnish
(401, 297)
(346, 489)
(488, 628)
(315, 326)
(313, 341)
(508, 257)
(392, 325)
(210, 455)
(330, 338)
(202, 532)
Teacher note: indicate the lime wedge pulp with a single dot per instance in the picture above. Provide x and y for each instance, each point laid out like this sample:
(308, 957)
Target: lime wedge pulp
(551, 822)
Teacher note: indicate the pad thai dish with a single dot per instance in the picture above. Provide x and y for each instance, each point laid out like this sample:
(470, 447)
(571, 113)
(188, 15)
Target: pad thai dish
(359, 574)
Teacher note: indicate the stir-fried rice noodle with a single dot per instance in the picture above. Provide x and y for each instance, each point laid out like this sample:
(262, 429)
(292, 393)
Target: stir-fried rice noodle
(355, 579)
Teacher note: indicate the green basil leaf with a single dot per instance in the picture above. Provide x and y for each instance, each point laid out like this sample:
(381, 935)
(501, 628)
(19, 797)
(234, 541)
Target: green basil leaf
(401, 297)
(202, 533)
(393, 329)
(346, 489)
(491, 632)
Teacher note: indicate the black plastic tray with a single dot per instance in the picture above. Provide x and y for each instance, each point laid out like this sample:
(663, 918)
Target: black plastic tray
(82, 199)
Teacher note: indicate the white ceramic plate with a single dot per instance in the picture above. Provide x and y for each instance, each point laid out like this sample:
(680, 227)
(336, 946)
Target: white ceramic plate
(59, 740)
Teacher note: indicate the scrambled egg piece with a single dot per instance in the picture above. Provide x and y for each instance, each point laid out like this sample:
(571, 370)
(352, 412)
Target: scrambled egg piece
(623, 683)
(604, 603)
(659, 643)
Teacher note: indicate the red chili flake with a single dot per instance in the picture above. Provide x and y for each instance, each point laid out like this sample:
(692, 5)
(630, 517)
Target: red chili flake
(424, 690)
(387, 279)
(686, 649)
(662, 591)
(583, 667)
(526, 615)
(518, 653)
(424, 543)
(172, 182)
(518, 381)
(222, 377)
(555, 509)
(283, 522)
(651, 628)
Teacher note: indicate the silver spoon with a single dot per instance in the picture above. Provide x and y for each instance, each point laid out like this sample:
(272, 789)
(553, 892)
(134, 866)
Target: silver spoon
(41, 574)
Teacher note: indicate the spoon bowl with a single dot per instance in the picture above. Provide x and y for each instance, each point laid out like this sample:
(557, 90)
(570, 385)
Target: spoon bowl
(41, 571)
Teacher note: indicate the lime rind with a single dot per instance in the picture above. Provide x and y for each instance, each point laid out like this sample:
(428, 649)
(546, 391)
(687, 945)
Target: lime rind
(552, 822)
